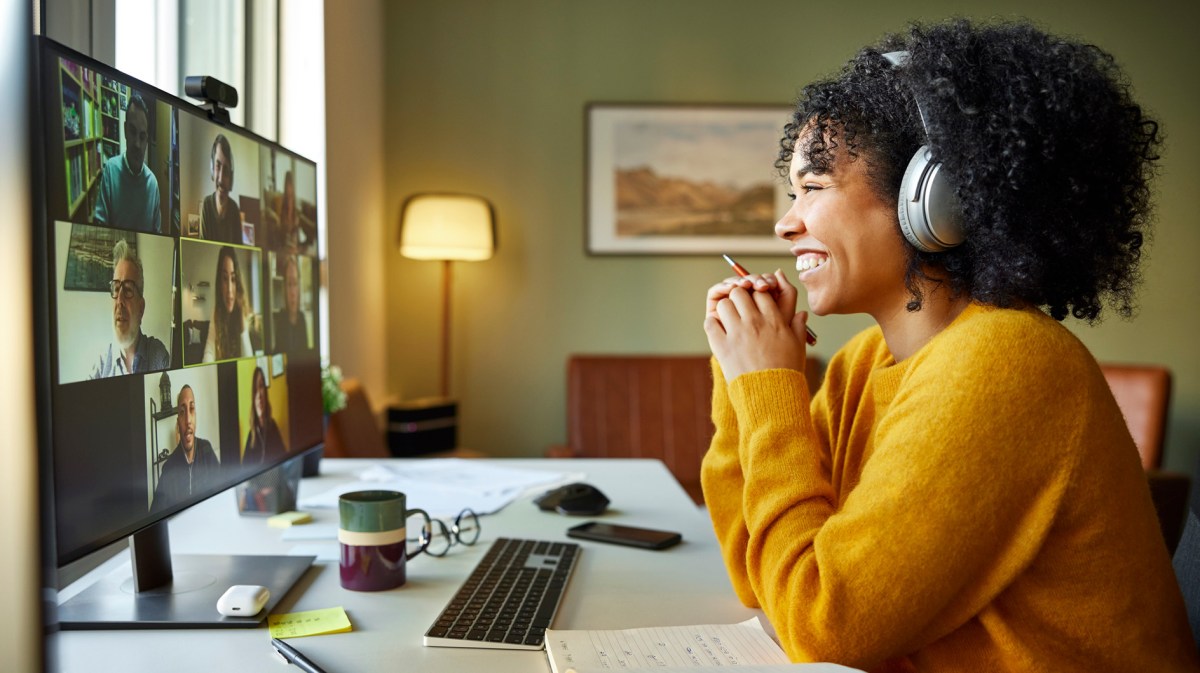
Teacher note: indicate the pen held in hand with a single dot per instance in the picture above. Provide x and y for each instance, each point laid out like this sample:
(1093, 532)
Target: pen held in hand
(809, 335)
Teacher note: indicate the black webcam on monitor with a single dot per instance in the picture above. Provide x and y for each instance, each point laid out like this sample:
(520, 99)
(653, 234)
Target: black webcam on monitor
(218, 96)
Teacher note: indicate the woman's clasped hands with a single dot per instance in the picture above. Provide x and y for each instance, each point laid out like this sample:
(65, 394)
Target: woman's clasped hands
(752, 324)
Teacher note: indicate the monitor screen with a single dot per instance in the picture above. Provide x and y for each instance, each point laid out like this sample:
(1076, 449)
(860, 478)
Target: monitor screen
(181, 349)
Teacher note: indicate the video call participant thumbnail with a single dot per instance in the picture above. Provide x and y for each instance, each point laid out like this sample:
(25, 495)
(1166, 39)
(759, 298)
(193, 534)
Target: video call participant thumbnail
(290, 324)
(128, 196)
(264, 441)
(193, 465)
(220, 216)
(222, 304)
(232, 317)
(131, 351)
(289, 194)
(289, 215)
(112, 303)
(263, 408)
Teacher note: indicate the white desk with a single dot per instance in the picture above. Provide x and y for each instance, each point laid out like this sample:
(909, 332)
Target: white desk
(612, 587)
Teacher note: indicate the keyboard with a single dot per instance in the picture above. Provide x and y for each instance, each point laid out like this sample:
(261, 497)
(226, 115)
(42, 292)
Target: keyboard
(509, 600)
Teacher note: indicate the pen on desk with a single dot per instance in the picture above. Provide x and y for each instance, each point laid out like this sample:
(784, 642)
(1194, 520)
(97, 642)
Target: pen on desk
(809, 336)
(293, 656)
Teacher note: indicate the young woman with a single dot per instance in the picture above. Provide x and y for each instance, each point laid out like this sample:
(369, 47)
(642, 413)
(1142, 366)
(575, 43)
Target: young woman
(229, 330)
(289, 216)
(962, 493)
(264, 442)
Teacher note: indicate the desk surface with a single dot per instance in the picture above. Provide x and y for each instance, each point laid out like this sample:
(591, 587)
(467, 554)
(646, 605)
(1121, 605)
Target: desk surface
(612, 587)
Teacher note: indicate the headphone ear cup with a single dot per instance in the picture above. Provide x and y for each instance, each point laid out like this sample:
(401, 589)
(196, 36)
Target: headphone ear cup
(929, 212)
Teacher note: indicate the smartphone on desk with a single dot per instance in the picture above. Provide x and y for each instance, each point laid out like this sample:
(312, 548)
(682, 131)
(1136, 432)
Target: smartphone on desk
(632, 536)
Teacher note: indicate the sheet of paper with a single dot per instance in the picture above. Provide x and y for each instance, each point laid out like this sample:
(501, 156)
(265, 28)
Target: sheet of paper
(443, 487)
(309, 623)
(705, 646)
(789, 668)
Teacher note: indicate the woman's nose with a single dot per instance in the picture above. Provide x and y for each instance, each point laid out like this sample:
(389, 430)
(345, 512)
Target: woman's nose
(791, 224)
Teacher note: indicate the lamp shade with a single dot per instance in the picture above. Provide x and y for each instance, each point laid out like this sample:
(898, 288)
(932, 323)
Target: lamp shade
(448, 227)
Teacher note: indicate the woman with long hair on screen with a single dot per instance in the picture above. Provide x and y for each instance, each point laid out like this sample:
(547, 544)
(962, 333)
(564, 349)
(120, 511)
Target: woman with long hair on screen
(289, 216)
(229, 330)
(264, 445)
(962, 492)
(264, 442)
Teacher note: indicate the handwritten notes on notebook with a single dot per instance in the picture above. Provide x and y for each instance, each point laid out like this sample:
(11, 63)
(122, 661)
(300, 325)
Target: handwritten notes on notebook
(674, 648)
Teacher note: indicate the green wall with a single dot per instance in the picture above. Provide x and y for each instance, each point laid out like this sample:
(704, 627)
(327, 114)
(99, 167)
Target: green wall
(488, 97)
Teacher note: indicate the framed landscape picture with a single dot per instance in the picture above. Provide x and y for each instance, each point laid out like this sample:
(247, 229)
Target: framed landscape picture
(684, 179)
(89, 256)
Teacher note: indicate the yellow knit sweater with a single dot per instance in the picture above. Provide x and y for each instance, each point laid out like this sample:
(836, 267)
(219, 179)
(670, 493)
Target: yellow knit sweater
(978, 507)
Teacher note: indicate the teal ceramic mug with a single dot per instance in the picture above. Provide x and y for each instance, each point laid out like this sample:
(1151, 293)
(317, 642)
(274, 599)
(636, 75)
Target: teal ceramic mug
(373, 534)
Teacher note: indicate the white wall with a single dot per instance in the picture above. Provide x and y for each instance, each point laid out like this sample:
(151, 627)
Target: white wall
(358, 229)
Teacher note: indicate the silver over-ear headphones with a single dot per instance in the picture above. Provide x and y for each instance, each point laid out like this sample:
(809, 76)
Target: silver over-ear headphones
(929, 212)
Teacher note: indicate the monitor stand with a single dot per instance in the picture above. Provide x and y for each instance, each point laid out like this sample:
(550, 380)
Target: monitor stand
(160, 591)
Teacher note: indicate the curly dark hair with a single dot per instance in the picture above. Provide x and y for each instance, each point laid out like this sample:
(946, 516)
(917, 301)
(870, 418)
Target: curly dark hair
(1050, 157)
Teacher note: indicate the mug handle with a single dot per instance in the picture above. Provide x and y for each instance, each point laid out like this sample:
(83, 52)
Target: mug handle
(428, 527)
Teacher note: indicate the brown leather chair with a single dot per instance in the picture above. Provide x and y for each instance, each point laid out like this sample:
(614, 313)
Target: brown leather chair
(1143, 393)
(645, 406)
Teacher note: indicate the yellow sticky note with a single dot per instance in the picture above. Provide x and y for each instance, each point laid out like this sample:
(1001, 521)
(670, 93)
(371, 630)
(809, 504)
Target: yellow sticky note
(288, 519)
(310, 623)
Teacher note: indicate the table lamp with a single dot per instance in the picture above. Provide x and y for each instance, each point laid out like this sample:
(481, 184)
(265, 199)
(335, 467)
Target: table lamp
(447, 227)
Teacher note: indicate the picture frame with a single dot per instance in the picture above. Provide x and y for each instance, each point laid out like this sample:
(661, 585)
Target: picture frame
(89, 256)
(684, 179)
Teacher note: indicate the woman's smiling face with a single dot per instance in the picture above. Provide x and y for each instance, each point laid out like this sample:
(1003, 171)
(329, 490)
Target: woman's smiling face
(846, 239)
(227, 284)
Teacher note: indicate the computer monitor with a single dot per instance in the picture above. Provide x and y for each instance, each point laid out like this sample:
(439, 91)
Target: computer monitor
(176, 292)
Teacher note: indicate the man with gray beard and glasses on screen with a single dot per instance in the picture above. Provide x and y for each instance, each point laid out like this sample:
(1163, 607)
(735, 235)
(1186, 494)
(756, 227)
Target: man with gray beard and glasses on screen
(131, 351)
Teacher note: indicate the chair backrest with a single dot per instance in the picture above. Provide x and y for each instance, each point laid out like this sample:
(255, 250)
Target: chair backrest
(1169, 492)
(1143, 393)
(646, 406)
(354, 432)
(1187, 564)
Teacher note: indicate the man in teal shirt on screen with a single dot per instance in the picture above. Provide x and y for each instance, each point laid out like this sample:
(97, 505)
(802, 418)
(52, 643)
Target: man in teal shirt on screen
(128, 189)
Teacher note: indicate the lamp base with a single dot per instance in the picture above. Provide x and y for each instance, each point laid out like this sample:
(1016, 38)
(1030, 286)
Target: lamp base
(422, 426)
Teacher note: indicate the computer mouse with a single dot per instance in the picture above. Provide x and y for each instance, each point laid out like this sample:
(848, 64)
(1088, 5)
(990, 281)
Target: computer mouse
(578, 499)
